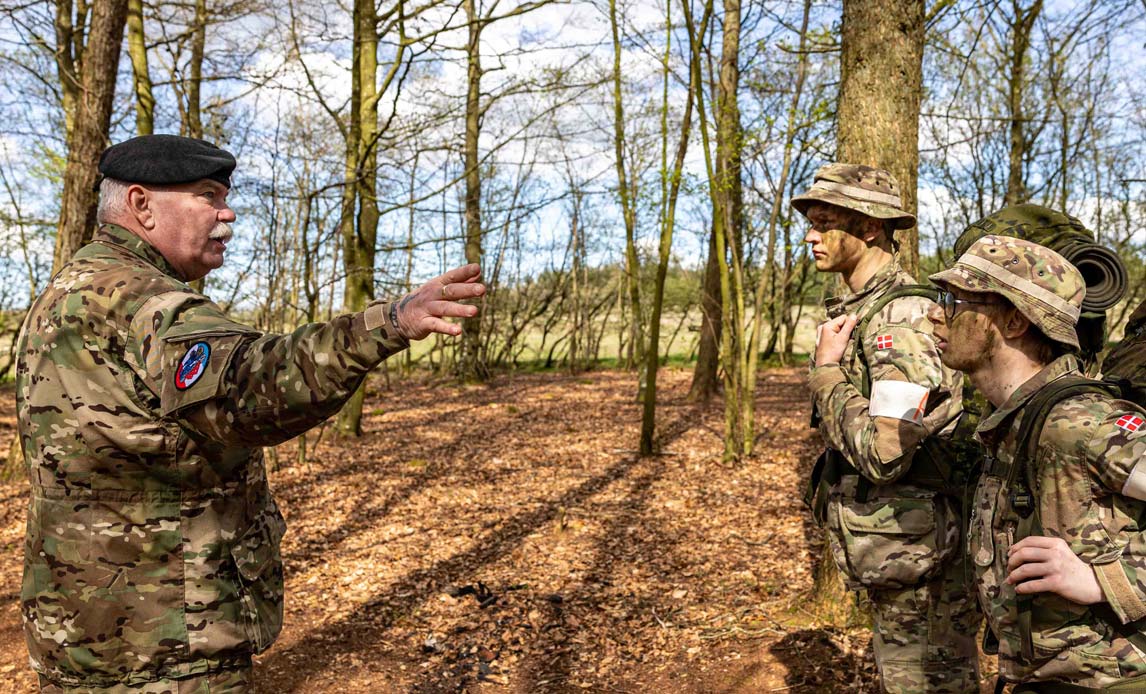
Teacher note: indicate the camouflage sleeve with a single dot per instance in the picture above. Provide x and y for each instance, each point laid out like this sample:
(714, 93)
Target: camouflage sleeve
(238, 386)
(1116, 458)
(876, 440)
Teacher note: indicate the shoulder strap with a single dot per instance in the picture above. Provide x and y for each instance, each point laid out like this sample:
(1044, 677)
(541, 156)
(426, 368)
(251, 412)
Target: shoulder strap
(926, 291)
(1021, 477)
(1035, 414)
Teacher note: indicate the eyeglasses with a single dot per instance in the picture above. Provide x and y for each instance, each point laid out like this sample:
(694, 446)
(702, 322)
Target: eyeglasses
(950, 304)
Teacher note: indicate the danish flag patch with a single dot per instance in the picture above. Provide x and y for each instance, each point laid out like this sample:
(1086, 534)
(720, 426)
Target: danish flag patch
(1130, 422)
(883, 342)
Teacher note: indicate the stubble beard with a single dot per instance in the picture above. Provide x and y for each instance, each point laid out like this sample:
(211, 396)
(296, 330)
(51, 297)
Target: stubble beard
(978, 362)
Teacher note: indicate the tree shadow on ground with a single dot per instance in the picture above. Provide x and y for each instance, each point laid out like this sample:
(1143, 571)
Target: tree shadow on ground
(819, 660)
(371, 620)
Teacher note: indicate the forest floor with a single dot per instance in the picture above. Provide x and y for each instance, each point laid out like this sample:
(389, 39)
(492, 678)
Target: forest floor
(507, 538)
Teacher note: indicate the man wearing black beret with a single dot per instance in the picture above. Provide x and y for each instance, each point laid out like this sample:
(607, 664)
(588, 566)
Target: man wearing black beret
(152, 555)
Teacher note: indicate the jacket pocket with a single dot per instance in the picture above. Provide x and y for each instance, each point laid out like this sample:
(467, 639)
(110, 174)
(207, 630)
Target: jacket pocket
(258, 561)
(892, 543)
(981, 544)
(194, 366)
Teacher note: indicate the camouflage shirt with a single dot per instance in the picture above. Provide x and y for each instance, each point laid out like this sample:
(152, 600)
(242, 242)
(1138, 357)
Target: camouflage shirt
(899, 347)
(153, 541)
(897, 534)
(1089, 480)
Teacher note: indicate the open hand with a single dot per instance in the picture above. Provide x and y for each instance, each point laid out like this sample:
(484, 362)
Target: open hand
(1039, 564)
(832, 339)
(421, 312)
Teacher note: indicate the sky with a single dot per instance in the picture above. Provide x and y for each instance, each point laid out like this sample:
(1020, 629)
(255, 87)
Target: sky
(570, 36)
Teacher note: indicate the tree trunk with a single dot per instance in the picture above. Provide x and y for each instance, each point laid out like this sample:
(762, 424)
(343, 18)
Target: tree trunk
(1023, 23)
(193, 121)
(470, 366)
(194, 125)
(626, 195)
(740, 410)
(89, 134)
(705, 382)
(879, 125)
(141, 77)
(670, 189)
(358, 241)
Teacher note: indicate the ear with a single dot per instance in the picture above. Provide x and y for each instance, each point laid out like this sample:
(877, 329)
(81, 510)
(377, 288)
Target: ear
(1014, 324)
(139, 206)
(872, 230)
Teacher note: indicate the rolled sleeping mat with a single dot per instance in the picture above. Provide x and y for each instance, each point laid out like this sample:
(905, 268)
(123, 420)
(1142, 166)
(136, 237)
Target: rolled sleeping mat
(1101, 268)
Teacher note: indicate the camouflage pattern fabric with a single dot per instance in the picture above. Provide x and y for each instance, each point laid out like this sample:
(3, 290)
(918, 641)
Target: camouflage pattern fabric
(1034, 223)
(1041, 284)
(1089, 492)
(237, 681)
(924, 637)
(864, 189)
(152, 545)
(901, 542)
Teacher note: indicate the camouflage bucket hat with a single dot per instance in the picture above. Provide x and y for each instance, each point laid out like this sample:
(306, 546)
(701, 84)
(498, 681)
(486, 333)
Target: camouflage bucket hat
(1042, 284)
(865, 189)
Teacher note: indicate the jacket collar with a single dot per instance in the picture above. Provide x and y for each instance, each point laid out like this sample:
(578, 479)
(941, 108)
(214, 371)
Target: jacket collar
(991, 429)
(117, 236)
(877, 283)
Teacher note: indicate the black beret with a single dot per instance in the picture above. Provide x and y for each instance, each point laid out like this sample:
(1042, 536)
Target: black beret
(166, 159)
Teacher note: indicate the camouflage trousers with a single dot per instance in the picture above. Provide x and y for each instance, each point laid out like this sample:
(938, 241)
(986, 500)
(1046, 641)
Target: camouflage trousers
(925, 636)
(235, 681)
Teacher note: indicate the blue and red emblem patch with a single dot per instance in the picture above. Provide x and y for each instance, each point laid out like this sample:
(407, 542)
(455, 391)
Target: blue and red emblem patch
(192, 366)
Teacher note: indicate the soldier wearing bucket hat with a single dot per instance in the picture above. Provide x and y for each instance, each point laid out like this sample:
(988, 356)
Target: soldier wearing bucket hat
(1055, 538)
(884, 401)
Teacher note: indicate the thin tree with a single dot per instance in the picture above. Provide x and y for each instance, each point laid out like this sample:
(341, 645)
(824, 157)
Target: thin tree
(360, 233)
(141, 76)
(626, 192)
(670, 189)
(470, 366)
(1021, 27)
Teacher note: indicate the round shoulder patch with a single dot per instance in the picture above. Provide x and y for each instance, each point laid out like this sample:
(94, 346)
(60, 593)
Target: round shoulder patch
(193, 365)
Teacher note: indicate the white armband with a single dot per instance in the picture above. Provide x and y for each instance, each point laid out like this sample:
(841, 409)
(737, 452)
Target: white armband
(1135, 486)
(899, 400)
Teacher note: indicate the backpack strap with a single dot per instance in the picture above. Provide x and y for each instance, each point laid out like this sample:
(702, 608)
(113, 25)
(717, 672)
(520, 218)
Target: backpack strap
(1022, 479)
(926, 291)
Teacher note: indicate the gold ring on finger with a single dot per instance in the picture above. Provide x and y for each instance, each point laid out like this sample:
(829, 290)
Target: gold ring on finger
(445, 292)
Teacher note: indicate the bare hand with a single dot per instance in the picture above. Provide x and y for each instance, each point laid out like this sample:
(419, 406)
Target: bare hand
(1039, 564)
(421, 311)
(832, 339)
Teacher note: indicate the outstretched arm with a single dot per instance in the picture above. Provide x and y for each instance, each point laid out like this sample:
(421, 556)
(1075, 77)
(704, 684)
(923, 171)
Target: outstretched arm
(237, 386)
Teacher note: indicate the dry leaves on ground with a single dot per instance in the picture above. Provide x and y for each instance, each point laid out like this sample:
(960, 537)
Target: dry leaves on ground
(508, 538)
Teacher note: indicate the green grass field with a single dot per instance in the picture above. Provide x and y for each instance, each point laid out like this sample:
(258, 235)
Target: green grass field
(678, 350)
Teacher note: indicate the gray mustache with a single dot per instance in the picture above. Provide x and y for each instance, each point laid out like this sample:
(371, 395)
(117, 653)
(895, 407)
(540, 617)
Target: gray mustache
(221, 232)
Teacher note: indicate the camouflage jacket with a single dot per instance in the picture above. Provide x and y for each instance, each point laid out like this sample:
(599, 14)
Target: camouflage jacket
(899, 347)
(1090, 477)
(898, 534)
(152, 543)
